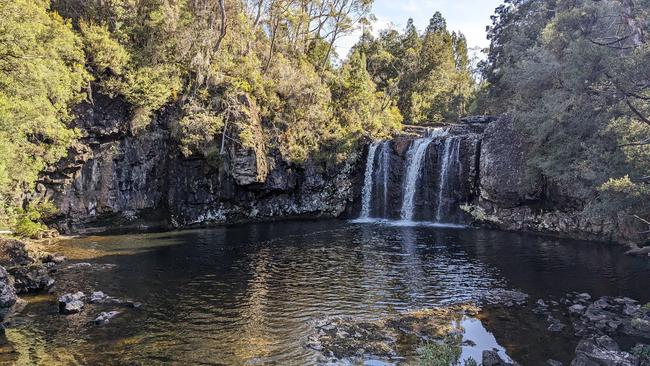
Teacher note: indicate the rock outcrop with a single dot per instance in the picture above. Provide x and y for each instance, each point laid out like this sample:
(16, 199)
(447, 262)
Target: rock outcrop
(115, 177)
(7, 293)
(31, 269)
(118, 178)
(511, 198)
(503, 159)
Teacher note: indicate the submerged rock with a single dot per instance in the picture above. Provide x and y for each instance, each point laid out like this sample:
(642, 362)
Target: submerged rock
(71, 303)
(55, 258)
(577, 309)
(492, 358)
(555, 324)
(104, 317)
(99, 297)
(505, 297)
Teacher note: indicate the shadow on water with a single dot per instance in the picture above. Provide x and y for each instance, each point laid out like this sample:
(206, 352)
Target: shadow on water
(250, 294)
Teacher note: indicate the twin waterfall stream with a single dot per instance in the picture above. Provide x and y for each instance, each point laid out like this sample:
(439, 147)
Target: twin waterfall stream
(375, 194)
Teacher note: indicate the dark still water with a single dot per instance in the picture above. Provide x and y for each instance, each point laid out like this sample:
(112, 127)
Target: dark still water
(250, 294)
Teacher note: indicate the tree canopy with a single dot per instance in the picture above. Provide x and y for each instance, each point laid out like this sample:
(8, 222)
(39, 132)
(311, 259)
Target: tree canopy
(575, 76)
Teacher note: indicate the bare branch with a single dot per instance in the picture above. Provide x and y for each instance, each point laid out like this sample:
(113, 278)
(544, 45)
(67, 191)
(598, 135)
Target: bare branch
(643, 118)
(641, 219)
(640, 143)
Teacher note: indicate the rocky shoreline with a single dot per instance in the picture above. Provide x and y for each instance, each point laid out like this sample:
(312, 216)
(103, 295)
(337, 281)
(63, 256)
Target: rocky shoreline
(599, 326)
(26, 268)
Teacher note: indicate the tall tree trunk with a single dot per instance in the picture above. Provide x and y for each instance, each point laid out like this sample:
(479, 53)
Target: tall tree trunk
(272, 47)
(224, 26)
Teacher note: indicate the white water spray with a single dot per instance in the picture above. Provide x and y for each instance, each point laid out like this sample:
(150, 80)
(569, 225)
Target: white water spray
(366, 198)
(415, 158)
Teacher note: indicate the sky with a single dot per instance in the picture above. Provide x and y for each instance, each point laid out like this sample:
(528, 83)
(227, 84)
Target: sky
(468, 16)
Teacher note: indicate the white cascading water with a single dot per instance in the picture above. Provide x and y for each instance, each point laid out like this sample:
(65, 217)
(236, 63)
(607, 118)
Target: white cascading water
(450, 158)
(385, 167)
(414, 160)
(366, 197)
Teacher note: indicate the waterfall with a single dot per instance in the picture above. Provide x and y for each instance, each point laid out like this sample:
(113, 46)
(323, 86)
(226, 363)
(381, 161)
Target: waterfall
(414, 160)
(385, 167)
(366, 198)
(440, 189)
(449, 165)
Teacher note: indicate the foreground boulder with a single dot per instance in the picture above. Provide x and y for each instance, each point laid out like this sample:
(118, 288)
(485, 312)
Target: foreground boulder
(35, 277)
(602, 350)
(7, 293)
(492, 358)
(71, 303)
(14, 253)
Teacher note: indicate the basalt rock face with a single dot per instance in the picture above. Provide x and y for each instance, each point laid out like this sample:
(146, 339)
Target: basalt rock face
(118, 177)
(503, 167)
(510, 198)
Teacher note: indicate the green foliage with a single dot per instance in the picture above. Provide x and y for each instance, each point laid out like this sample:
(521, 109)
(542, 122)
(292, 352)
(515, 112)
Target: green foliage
(642, 351)
(221, 70)
(104, 53)
(359, 108)
(579, 91)
(28, 221)
(429, 74)
(42, 65)
(445, 353)
(147, 89)
(197, 129)
(301, 108)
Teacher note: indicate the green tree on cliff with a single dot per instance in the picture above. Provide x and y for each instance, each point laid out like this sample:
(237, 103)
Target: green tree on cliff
(41, 77)
(575, 77)
(428, 74)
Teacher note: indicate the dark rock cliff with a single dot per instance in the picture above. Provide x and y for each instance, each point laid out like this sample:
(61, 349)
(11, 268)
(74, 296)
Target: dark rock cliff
(115, 178)
(511, 199)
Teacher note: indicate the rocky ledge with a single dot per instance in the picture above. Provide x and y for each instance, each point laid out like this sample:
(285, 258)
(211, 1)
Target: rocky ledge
(409, 336)
(608, 331)
(428, 335)
(511, 198)
(24, 268)
(115, 177)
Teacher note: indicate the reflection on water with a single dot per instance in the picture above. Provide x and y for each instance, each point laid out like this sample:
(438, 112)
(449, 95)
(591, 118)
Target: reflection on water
(250, 294)
(476, 333)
